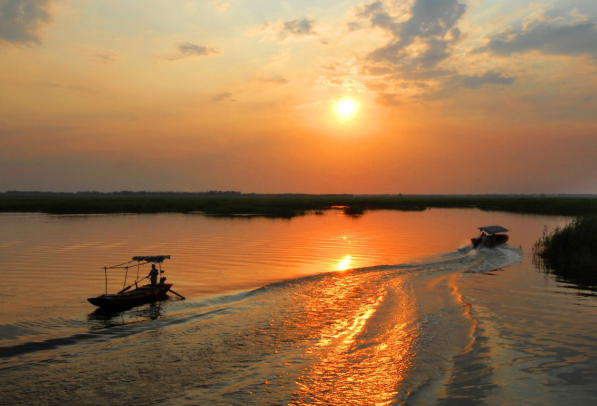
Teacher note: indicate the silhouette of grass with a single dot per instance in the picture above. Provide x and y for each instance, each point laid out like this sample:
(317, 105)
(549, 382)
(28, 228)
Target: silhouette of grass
(570, 251)
(283, 206)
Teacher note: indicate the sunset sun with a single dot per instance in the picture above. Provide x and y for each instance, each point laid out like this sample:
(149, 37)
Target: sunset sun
(346, 108)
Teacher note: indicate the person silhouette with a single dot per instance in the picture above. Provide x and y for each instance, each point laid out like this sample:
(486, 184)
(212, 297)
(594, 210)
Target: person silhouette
(153, 274)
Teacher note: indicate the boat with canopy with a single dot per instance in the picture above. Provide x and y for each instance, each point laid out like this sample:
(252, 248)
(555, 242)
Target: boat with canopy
(129, 296)
(490, 236)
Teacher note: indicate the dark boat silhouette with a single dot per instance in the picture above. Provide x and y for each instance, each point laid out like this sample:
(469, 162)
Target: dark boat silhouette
(129, 296)
(490, 236)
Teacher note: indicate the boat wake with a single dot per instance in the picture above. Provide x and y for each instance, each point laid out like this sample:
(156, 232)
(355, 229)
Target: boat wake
(371, 335)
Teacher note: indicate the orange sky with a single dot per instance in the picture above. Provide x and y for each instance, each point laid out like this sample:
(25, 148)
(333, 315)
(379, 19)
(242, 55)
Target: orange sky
(449, 96)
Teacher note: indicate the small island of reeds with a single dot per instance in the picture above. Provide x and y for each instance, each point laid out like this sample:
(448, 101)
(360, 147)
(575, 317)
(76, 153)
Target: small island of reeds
(570, 251)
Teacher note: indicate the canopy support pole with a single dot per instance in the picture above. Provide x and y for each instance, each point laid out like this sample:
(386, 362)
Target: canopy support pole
(126, 274)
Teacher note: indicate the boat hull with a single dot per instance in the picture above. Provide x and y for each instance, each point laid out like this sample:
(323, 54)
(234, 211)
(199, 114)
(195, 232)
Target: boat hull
(491, 240)
(144, 294)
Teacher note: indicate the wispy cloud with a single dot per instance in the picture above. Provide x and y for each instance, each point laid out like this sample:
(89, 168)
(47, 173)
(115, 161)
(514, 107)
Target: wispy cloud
(22, 21)
(225, 96)
(221, 5)
(285, 30)
(276, 80)
(106, 57)
(187, 50)
(488, 78)
(298, 28)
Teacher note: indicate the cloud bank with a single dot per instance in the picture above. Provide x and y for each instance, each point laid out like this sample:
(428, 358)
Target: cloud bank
(420, 42)
(547, 37)
(419, 59)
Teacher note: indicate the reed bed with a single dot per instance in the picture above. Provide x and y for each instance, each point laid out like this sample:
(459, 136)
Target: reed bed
(286, 206)
(570, 251)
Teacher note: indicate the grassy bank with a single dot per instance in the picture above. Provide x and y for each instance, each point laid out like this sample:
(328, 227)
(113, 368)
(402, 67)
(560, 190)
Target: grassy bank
(571, 251)
(286, 205)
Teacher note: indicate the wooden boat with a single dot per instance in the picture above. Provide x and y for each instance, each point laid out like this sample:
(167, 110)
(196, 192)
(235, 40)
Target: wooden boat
(490, 236)
(129, 297)
(137, 296)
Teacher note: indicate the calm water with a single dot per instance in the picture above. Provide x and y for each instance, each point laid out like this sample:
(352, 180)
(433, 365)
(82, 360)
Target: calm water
(389, 308)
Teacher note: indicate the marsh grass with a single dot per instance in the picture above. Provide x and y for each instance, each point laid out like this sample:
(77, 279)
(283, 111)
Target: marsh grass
(285, 206)
(354, 211)
(570, 251)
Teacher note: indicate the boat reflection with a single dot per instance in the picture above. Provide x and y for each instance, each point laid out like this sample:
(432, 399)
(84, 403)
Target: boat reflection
(103, 318)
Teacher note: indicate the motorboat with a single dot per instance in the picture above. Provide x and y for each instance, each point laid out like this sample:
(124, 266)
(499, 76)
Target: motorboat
(134, 294)
(490, 236)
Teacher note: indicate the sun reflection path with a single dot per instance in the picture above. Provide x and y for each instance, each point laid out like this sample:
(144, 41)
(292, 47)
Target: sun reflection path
(343, 266)
(366, 352)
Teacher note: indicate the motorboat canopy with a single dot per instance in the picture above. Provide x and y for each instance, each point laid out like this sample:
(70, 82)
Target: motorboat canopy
(156, 259)
(493, 229)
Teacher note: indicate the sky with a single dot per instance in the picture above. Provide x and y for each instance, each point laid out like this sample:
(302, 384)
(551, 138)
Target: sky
(299, 96)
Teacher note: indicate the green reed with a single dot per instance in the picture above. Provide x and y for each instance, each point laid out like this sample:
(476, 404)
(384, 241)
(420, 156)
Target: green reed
(570, 251)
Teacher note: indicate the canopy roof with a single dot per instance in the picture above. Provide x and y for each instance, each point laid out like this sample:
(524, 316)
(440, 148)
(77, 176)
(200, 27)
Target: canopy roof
(493, 229)
(156, 259)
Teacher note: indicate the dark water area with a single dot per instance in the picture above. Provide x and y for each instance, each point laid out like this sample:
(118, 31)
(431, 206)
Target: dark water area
(388, 308)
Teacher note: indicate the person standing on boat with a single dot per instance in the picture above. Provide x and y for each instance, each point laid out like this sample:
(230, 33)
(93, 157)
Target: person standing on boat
(154, 275)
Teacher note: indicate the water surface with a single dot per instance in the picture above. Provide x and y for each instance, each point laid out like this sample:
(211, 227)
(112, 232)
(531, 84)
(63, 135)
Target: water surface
(388, 308)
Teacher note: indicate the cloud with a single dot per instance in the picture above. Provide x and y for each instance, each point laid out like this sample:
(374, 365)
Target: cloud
(547, 37)
(106, 57)
(421, 41)
(225, 96)
(187, 50)
(422, 37)
(418, 60)
(488, 78)
(22, 21)
(279, 59)
(220, 5)
(277, 80)
(567, 7)
(299, 28)
(75, 88)
(285, 30)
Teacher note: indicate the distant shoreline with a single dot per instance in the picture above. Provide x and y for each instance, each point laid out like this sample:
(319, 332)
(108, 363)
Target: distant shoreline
(284, 205)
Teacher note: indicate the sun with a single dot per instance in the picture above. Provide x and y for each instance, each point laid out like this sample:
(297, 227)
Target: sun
(346, 108)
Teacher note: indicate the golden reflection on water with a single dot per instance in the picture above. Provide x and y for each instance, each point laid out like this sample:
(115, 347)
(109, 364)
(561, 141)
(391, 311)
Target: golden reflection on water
(343, 265)
(361, 360)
